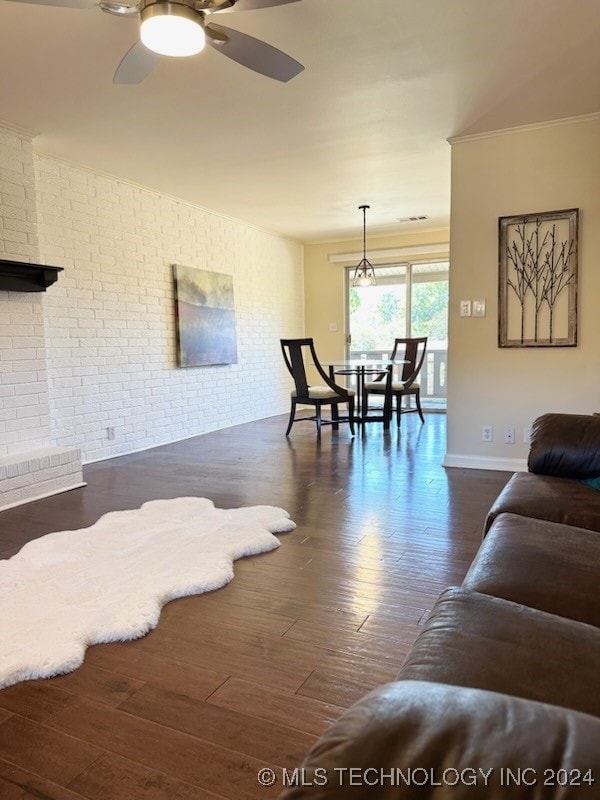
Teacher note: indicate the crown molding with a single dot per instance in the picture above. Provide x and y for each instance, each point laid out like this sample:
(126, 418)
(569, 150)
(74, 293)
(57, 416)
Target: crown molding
(16, 129)
(157, 193)
(413, 229)
(534, 126)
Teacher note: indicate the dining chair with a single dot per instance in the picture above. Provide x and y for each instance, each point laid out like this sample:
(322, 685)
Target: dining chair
(412, 351)
(296, 354)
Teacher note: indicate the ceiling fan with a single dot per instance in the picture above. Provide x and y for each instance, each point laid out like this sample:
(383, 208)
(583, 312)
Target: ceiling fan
(182, 28)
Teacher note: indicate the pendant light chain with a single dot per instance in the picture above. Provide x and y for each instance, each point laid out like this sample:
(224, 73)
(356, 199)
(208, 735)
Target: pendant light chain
(364, 274)
(364, 210)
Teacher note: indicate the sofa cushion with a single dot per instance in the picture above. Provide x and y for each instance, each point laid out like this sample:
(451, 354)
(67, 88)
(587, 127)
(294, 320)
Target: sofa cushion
(565, 445)
(542, 565)
(485, 642)
(552, 499)
(397, 386)
(323, 393)
(439, 735)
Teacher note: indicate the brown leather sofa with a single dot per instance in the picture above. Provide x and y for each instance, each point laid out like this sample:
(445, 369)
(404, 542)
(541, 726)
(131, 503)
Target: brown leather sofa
(565, 448)
(499, 697)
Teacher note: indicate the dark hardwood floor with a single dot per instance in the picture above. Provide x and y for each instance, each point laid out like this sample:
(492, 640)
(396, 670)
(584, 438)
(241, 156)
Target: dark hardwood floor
(248, 676)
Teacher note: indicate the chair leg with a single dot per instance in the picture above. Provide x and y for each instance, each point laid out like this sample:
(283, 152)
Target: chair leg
(398, 409)
(335, 415)
(418, 401)
(318, 418)
(292, 417)
(351, 414)
(388, 405)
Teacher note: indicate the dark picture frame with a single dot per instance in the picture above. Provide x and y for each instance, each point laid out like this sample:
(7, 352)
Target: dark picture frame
(537, 286)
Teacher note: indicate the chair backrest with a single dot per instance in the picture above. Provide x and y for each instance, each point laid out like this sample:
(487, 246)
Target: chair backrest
(296, 353)
(413, 352)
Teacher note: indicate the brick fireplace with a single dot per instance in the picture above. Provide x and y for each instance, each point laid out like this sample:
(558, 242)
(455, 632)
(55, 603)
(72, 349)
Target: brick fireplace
(30, 465)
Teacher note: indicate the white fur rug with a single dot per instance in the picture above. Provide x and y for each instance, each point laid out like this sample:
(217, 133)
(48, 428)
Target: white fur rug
(108, 583)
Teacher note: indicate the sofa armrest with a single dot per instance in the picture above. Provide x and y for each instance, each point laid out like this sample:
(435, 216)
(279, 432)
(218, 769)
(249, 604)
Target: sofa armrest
(565, 446)
(412, 739)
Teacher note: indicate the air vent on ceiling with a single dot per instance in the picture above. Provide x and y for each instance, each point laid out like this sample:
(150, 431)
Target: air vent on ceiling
(419, 218)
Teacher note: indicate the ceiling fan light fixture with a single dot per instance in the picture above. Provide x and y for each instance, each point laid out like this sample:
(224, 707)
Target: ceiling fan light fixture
(364, 274)
(118, 9)
(172, 29)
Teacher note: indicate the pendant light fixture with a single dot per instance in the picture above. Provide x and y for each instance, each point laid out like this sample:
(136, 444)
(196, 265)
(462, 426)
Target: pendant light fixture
(364, 274)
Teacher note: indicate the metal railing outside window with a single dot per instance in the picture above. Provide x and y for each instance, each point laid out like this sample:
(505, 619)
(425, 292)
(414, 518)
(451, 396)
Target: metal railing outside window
(408, 300)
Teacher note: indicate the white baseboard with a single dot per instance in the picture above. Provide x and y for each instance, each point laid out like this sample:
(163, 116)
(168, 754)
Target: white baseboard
(43, 495)
(485, 462)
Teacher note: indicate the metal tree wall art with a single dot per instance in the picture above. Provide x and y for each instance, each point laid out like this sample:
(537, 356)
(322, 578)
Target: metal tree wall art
(538, 280)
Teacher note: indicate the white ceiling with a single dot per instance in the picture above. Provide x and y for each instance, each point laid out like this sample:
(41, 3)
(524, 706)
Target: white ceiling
(386, 83)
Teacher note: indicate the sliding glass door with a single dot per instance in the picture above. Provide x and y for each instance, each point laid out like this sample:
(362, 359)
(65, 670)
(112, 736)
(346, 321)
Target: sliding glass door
(408, 300)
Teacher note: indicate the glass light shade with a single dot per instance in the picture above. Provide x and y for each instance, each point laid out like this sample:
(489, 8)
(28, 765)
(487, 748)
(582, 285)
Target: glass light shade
(366, 280)
(364, 274)
(171, 29)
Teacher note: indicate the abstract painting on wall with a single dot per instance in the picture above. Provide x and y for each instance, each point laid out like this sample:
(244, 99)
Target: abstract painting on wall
(538, 280)
(205, 317)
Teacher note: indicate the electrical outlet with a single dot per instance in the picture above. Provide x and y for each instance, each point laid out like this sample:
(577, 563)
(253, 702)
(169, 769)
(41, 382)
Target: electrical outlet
(333, 327)
(509, 435)
(487, 433)
(465, 308)
(110, 433)
(527, 434)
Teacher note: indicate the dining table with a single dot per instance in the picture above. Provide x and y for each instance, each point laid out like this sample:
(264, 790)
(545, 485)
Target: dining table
(361, 369)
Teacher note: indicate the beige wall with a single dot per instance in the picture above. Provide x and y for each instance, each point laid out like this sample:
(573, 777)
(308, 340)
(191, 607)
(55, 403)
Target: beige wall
(528, 171)
(324, 288)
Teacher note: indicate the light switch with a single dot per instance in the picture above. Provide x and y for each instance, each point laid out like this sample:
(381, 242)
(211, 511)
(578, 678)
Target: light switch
(333, 327)
(479, 308)
(465, 308)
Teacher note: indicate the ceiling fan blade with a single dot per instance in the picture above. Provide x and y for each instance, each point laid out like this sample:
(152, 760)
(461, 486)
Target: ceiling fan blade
(254, 54)
(63, 3)
(250, 5)
(137, 64)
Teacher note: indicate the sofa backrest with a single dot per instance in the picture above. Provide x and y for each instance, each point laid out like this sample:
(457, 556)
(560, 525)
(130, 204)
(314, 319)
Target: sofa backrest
(566, 446)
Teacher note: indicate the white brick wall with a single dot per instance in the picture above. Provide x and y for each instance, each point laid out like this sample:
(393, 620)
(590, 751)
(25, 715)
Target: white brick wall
(24, 400)
(98, 349)
(18, 223)
(110, 320)
(38, 473)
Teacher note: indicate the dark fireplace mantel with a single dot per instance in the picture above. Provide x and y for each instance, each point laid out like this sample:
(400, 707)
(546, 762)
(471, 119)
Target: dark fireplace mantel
(20, 276)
